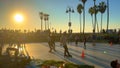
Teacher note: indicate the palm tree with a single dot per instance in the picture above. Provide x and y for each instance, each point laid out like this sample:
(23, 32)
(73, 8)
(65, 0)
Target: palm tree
(91, 11)
(107, 14)
(79, 10)
(102, 7)
(46, 21)
(83, 1)
(41, 17)
(96, 10)
(45, 18)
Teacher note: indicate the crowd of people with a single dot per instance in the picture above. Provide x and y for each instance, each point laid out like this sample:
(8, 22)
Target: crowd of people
(64, 40)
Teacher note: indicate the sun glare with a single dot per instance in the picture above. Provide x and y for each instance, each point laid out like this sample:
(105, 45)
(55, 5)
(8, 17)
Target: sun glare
(18, 18)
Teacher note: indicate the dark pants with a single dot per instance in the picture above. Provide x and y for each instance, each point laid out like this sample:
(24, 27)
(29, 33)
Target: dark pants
(52, 46)
(66, 52)
(76, 42)
(0, 50)
(84, 44)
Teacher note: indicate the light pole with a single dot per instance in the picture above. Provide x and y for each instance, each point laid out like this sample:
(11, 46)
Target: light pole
(69, 10)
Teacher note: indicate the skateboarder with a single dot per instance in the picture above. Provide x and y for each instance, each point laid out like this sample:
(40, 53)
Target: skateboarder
(63, 40)
(51, 43)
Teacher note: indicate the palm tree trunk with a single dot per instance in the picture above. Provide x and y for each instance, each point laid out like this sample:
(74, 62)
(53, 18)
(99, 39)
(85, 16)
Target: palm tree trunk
(80, 23)
(107, 14)
(101, 20)
(97, 25)
(94, 28)
(48, 24)
(83, 18)
(41, 25)
(45, 25)
(92, 21)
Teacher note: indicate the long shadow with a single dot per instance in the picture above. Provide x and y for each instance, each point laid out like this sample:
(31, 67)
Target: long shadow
(70, 49)
(109, 48)
(86, 58)
(101, 48)
(115, 54)
(60, 54)
(91, 60)
(94, 48)
(90, 55)
(70, 59)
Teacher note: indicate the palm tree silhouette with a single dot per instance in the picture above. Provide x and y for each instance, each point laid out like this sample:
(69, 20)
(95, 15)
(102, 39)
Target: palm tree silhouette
(46, 19)
(41, 17)
(107, 14)
(102, 7)
(83, 1)
(79, 10)
(91, 11)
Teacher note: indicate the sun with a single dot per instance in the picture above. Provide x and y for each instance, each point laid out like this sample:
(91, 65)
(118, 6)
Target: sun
(19, 18)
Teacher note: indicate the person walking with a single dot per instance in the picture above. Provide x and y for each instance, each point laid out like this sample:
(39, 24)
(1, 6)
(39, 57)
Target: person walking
(63, 40)
(51, 43)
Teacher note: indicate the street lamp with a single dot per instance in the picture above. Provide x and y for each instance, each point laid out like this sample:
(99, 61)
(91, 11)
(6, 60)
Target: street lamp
(69, 10)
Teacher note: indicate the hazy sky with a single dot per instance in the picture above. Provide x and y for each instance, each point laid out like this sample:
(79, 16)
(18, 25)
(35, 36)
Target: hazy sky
(57, 10)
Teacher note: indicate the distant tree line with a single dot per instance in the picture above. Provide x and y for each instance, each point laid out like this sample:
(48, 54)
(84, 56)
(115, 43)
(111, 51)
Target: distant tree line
(15, 36)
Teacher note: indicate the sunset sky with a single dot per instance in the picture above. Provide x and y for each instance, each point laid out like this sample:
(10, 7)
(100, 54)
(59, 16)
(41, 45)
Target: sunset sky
(58, 18)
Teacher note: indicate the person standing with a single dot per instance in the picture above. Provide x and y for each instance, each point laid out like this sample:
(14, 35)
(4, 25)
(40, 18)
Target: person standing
(53, 41)
(84, 42)
(63, 40)
(49, 43)
(76, 40)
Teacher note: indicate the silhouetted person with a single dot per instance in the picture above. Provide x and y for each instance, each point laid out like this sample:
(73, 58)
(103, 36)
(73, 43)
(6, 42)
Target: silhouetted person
(115, 64)
(84, 42)
(1, 46)
(76, 40)
(63, 40)
(51, 43)
(0, 50)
